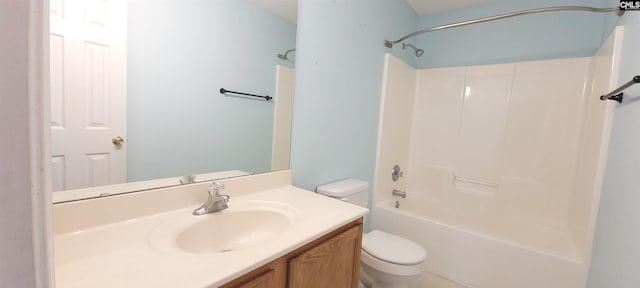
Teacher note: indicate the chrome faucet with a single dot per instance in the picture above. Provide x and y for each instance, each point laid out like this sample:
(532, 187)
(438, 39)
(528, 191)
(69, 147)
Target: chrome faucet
(215, 202)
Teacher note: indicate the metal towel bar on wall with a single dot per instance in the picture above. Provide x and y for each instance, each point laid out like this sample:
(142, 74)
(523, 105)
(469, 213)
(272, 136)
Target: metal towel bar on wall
(617, 94)
(225, 91)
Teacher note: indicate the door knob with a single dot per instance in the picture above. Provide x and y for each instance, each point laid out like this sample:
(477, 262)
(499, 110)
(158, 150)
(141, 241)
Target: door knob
(117, 140)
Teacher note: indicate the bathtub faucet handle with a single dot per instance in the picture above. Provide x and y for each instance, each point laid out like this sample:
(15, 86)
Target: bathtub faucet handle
(396, 173)
(402, 194)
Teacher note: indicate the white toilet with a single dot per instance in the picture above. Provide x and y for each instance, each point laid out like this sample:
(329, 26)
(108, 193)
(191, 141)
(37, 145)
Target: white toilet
(388, 261)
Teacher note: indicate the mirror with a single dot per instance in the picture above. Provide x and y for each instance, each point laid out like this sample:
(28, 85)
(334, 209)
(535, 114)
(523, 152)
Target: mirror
(135, 91)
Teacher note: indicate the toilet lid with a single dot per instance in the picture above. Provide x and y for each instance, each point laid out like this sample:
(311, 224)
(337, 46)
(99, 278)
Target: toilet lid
(392, 248)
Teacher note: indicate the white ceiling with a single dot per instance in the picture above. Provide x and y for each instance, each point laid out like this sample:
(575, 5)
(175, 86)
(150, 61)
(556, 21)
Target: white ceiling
(288, 9)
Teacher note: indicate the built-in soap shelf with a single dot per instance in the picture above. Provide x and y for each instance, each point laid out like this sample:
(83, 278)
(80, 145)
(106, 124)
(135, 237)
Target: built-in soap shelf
(472, 186)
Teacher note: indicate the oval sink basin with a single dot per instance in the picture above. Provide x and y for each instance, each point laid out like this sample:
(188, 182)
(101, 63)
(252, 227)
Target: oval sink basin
(232, 231)
(240, 226)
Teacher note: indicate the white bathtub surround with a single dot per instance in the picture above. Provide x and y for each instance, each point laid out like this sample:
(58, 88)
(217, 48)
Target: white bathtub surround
(126, 240)
(394, 131)
(509, 139)
(504, 167)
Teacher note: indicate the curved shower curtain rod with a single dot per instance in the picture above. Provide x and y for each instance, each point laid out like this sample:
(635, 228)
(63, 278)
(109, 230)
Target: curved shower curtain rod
(284, 56)
(389, 44)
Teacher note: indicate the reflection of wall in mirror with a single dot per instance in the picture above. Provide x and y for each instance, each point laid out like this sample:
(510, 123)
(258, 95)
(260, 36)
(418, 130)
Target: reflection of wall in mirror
(180, 54)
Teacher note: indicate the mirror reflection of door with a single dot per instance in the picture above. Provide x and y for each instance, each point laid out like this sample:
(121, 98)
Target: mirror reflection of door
(88, 92)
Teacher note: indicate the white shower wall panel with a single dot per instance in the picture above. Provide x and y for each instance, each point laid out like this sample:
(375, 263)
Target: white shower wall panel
(484, 113)
(395, 119)
(511, 129)
(542, 139)
(592, 153)
(434, 129)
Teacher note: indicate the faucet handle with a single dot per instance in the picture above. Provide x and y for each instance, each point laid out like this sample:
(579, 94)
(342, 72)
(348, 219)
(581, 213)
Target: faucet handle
(216, 187)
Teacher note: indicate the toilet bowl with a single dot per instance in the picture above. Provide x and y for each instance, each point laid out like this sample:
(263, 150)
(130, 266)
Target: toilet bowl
(390, 261)
(387, 260)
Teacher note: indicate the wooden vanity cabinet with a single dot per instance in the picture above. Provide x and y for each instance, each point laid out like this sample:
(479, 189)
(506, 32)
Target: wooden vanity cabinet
(334, 263)
(331, 261)
(272, 275)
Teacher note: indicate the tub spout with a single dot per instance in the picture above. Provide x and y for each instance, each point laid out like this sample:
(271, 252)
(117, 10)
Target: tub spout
(399, 193)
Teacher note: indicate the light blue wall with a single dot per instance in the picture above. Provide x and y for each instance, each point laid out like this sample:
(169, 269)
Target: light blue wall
(180, 54)
(611, 21)
(616, 253)
(530, 37)
(339, 69)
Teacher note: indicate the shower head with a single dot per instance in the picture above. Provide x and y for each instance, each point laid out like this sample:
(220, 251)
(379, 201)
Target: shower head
(284, 56)
(417, 50)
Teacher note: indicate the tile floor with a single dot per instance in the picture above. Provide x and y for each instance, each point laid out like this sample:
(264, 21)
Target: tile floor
(429, 280)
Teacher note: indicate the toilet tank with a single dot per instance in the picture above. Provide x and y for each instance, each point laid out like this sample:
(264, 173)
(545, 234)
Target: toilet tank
(350, 190)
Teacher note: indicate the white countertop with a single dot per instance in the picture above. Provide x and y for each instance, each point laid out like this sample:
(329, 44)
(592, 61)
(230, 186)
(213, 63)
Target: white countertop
(122, 254)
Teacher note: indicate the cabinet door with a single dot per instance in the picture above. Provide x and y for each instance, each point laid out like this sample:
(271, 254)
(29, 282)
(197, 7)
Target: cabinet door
(265, 280)
(272, 275)
(334, 263)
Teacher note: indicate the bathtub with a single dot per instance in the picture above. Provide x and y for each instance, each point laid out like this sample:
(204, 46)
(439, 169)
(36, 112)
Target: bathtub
(482, 252)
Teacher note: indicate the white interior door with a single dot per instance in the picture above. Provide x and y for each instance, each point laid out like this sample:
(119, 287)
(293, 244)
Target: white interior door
(88, 92)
